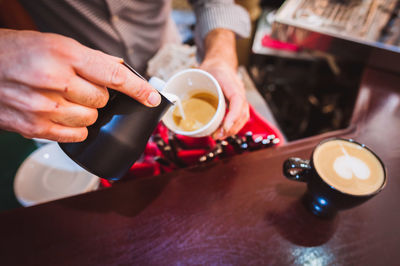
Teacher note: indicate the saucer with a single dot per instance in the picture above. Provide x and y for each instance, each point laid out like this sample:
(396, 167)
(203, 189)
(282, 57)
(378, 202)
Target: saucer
(49, 174)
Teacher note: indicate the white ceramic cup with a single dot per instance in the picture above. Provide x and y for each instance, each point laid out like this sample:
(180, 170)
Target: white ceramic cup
(183, 84)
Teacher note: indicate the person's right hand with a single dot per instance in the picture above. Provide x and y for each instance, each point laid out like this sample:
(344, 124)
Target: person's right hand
(51, 85)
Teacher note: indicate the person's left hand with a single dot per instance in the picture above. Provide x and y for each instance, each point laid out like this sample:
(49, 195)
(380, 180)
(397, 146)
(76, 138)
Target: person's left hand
(234, 91)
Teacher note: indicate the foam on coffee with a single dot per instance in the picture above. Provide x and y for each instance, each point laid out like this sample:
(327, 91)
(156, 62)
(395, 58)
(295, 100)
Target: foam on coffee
(199, 109)
(348, 167)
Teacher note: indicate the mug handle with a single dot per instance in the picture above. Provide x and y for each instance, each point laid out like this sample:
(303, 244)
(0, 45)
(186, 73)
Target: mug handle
(296, 169)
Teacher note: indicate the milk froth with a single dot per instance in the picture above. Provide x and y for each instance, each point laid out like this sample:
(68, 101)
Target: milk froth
(348, 167)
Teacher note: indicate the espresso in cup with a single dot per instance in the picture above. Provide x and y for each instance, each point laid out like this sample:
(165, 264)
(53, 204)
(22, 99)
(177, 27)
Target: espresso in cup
(348, 167)
(199, 108)
(341, 174)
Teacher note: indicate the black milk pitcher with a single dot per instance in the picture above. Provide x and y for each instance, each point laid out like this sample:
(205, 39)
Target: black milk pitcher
(118, 137)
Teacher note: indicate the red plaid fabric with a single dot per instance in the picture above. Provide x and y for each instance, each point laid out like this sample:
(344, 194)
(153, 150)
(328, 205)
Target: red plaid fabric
(191, 149)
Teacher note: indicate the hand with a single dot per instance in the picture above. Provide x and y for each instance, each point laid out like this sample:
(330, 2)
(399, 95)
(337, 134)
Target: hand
(234, 91)
(51, 86)
(221, 61)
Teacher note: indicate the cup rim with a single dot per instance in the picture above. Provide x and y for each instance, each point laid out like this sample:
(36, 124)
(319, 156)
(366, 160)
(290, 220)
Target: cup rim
(221, 98)
(363, 146)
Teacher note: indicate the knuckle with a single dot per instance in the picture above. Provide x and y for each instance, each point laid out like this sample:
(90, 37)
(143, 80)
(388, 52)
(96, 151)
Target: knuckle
(117, 75)
(60, 45)
(39, 106)
(39, 129)
(44, 76)
(142, 89)
(54, 45)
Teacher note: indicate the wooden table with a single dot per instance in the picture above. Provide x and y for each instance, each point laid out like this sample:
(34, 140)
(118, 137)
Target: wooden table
(237, 211)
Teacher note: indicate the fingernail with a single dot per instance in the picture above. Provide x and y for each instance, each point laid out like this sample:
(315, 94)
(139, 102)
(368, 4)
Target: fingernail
(154, 99)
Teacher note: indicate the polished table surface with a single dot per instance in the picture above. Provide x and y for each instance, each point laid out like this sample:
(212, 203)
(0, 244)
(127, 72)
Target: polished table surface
(240, 210)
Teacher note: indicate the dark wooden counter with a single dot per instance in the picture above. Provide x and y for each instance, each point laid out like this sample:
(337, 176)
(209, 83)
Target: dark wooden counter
(237, 211)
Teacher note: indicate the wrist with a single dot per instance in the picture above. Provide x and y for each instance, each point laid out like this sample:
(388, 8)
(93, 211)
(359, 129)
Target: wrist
(220, 48)
(215, 64)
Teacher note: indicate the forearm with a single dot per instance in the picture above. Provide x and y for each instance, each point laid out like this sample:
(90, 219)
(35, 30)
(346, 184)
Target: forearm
(220, 45)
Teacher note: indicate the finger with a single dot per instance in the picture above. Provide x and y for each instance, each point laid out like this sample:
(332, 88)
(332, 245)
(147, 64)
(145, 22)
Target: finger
(224, 132)
(236, 105)
(103, 70)
(35, 124)
(73, 115)
(39, 127)
(28, 100)
(85, 93)
(238, 125)
(219, 133)
(61, 133)
(48, 104)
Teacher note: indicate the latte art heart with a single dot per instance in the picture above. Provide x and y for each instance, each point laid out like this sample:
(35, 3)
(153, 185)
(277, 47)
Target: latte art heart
(346, 166)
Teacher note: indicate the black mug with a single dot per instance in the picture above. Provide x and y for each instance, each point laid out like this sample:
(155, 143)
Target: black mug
(118, 137)
(333, 184)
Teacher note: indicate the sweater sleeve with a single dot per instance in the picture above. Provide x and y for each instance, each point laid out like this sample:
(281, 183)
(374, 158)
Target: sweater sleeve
(212, 14)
